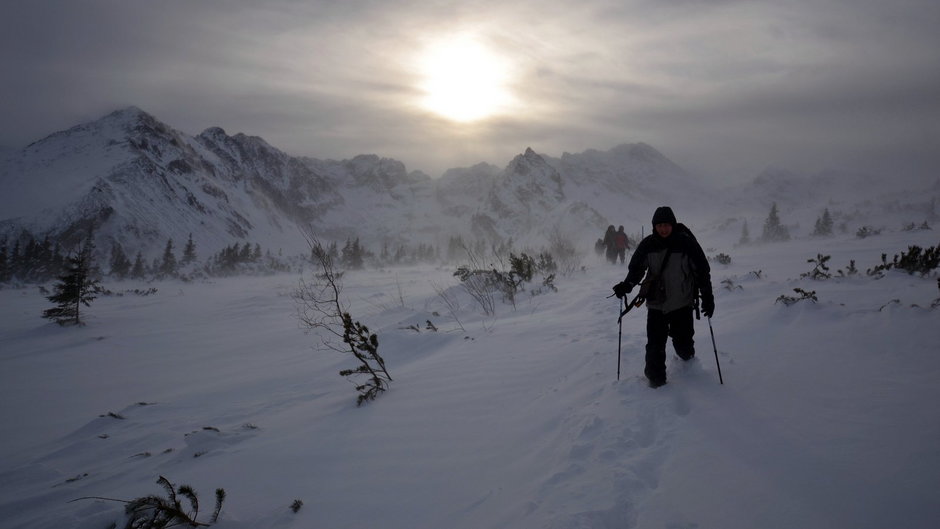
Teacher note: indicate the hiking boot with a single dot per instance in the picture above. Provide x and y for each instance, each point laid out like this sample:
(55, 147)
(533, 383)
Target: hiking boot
(685, 353)
(656, 378)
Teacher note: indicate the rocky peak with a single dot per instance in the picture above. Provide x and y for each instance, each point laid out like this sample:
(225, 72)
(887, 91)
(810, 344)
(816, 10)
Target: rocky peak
(241, 151)
(529, 162)
(377, 173)
(531, 170)
(215, 134)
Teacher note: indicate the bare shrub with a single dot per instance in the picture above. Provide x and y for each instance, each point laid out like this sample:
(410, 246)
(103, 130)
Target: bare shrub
(565, 252)
(320, 308)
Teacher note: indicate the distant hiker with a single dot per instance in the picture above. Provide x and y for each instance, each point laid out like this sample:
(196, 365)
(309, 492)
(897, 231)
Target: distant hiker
(610, 244)
(621, 244)
(676, 270)
(599, 247)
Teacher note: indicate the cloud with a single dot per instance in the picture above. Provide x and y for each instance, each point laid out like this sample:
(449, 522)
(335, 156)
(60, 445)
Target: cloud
(725, 87)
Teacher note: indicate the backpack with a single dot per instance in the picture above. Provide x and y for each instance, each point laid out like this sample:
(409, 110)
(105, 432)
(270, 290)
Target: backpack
(683, 229)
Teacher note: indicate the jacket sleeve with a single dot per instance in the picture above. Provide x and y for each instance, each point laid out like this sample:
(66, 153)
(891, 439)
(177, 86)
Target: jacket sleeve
(702, 270)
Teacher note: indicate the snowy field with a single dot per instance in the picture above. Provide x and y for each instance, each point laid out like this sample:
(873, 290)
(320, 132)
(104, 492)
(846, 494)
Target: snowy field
(828, 417)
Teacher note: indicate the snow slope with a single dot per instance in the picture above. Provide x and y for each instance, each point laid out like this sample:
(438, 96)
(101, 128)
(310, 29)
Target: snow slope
(827, 417)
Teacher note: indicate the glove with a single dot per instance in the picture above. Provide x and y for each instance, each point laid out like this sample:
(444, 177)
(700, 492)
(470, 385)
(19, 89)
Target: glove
(622, 289)
(708, 304)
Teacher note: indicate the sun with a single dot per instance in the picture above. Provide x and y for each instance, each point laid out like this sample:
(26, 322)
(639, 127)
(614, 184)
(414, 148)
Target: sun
(464, 81)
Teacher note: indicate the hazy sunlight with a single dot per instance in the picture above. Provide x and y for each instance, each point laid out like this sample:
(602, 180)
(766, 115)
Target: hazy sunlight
(463, 80)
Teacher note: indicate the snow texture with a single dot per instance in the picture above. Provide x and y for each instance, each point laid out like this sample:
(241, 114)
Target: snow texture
(827, 417)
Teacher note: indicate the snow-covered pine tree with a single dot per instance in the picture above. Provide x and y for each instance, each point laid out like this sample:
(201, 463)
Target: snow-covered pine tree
(35, 261)
(352, 255)
(385, 255)
(4, 262)
(244, 255)
(15, 260)
(168, 263)
(774, 231)
(823, 224)
(139, 270)
(189, 251)
(76, 288)
(48, 261)
(120, 264)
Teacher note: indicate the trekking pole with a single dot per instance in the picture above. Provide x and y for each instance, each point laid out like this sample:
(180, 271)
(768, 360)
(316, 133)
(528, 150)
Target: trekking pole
(720, 379)
(637, 301)
(619, 336)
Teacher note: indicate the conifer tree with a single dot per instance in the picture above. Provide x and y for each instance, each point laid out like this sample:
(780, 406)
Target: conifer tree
(15, 263)
(28, 259)
(384, 254)
(44, 266)
(120, 264)
(774, 231)
(74, 289)
(400, 254)
(352, 255)
(168, 264)
(57, 261)
(51, 259)
(823, 224)
(4, 262)
(189, 251)
(244, 255)
(139, 269)
(347, 254)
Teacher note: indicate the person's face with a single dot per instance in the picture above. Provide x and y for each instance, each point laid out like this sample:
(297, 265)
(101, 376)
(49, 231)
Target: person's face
(664, 229)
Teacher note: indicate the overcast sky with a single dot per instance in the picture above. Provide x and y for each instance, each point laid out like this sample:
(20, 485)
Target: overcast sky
(723, 87)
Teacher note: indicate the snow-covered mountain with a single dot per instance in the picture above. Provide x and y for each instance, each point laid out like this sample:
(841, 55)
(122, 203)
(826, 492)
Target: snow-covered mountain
(140, 182)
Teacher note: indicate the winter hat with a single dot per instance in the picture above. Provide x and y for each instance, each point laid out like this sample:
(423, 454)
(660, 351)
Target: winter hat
(663, 215)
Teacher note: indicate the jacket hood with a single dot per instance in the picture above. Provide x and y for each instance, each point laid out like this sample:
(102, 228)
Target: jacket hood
(664, 215)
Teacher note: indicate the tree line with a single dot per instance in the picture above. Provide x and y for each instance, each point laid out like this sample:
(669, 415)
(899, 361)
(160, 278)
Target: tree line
(775, 231)
(31, 260)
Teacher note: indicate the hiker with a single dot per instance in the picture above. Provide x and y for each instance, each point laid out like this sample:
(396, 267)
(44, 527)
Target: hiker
(610, 244)
(621, 244)
(676, 270)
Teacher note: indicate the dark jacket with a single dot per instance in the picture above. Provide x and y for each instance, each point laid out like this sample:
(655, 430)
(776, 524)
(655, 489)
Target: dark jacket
(687, 269)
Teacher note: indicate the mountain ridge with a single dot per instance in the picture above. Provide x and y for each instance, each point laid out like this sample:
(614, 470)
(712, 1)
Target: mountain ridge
(139, 182)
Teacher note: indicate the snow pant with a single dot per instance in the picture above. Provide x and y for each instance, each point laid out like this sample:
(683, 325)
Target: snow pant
(612, 255)
(621, 254)
(660, 326)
